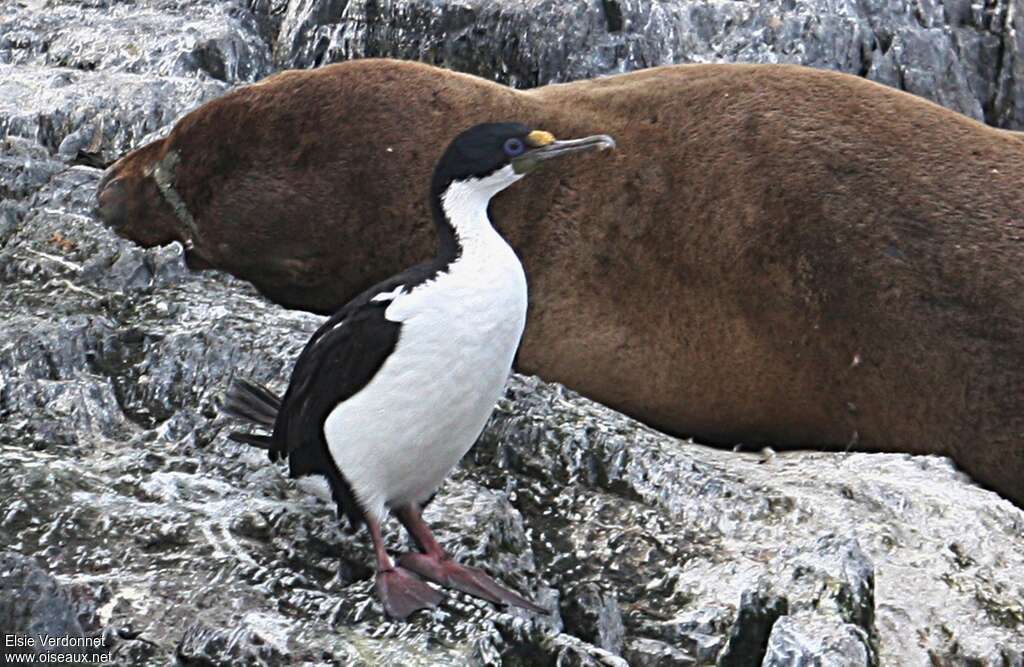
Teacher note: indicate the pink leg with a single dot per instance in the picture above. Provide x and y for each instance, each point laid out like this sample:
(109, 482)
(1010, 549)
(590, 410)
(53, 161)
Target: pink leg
(435, 565)
(401, 591)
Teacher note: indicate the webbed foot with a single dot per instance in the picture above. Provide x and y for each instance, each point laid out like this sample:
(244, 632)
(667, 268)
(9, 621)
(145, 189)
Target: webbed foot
(403, 593)
(470, 580)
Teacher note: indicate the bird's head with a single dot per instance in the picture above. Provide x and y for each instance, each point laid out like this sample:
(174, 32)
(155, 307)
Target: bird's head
(487, 158)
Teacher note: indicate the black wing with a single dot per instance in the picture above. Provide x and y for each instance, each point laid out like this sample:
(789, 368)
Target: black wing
(340, 359)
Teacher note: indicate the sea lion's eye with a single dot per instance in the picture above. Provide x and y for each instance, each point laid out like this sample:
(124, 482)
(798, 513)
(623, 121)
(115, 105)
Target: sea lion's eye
(514, 147)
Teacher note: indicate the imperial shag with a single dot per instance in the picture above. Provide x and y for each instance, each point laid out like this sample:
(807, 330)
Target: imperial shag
(393, 389)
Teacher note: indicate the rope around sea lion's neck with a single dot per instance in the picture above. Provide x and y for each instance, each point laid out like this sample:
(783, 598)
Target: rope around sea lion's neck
(163, 173)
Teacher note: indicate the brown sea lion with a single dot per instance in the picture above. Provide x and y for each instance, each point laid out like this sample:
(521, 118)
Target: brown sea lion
(774, 254)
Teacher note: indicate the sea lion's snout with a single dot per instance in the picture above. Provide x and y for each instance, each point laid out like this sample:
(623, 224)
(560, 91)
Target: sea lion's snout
(130, 202)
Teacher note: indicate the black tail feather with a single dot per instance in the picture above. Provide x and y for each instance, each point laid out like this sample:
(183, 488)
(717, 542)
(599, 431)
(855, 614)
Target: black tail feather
(249, 401)
(254, 439)
(256, 404)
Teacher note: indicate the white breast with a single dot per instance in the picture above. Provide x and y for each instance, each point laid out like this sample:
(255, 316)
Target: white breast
(399, 437)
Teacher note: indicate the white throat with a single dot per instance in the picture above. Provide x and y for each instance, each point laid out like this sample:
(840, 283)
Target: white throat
(465, 203)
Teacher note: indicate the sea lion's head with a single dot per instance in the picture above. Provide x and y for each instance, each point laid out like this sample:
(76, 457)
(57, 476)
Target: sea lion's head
(129, 199)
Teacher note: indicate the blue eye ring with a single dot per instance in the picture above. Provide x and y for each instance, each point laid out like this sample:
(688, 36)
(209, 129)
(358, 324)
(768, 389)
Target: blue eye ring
(514, 147)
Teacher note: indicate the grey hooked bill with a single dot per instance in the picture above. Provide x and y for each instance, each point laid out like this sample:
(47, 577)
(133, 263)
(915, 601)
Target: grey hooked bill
(533, 157)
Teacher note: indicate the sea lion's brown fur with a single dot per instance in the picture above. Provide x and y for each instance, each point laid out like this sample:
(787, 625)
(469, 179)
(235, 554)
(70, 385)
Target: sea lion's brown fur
(773, 254)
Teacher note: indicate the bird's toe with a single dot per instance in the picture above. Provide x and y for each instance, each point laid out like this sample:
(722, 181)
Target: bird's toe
(470, 580)
(403, 593)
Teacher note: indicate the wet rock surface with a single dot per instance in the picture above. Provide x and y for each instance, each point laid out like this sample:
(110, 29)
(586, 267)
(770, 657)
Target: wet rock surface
(126, 514)
(220, 40)
(33, 603)
(93, 117)
(965, 56)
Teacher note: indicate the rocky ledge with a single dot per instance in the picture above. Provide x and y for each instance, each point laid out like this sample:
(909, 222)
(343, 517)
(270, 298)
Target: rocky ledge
(128, 518)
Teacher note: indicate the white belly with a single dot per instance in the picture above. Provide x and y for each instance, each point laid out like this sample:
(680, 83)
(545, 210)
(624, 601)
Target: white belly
(398, 438)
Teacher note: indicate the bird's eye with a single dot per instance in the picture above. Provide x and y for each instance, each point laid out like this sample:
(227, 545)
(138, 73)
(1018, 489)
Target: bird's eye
(514, 147)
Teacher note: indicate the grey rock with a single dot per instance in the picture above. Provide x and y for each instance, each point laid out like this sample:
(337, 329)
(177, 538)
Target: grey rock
(270, 16)
(594, 615)
(843, 577)
(748, 638)
(202, 645)
(127, 649)
(643, 652)
(961, 55)
(25, 166)
(700, 633)
(221, 41)
(35, 607)
(817, 642)
(1008, 97)
(92, 117)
